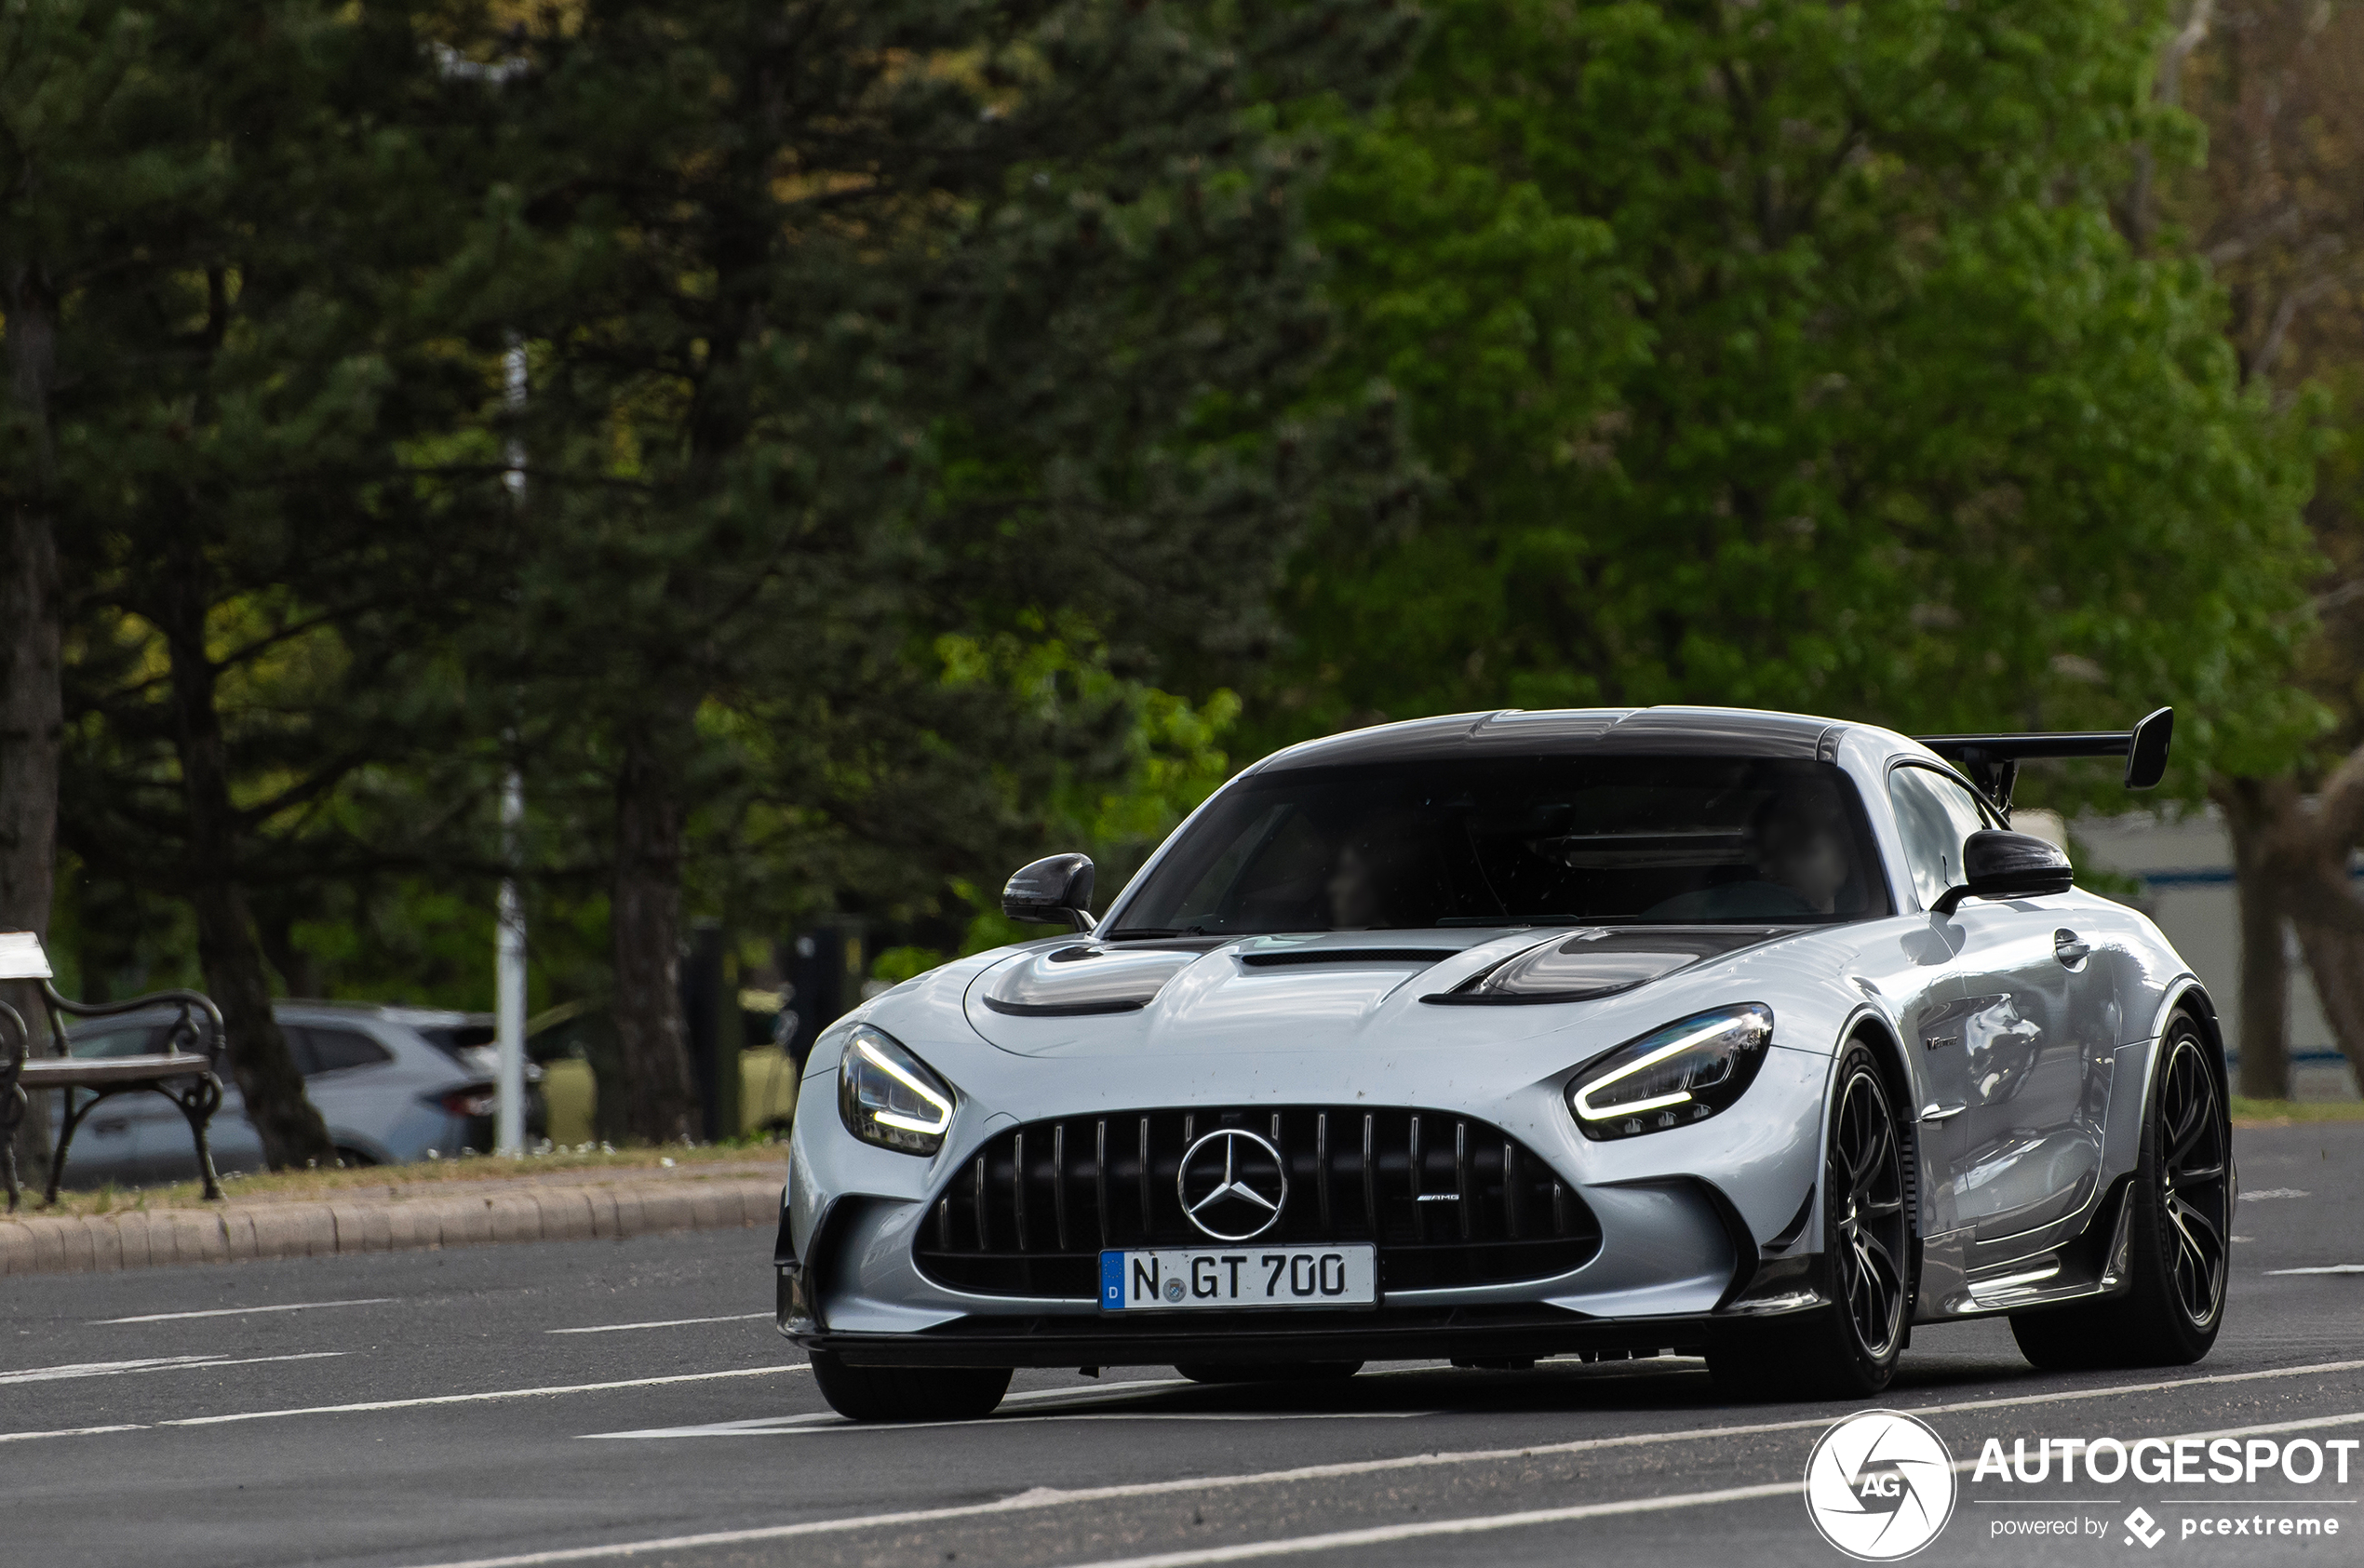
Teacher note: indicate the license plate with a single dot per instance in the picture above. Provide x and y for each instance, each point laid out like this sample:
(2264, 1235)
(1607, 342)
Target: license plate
(1248, 1276)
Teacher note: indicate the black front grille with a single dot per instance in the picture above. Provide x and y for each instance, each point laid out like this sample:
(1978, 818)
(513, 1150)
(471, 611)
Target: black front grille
(1448, 1199)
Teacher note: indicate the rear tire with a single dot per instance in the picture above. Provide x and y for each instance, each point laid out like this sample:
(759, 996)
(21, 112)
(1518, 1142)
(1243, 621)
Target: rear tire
(1847, 1350)
(2178, 1234)
(1254, 1371)
(908, 1393)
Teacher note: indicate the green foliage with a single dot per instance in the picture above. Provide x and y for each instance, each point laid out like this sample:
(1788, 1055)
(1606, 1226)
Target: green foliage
(901, 407)
(1786, 355)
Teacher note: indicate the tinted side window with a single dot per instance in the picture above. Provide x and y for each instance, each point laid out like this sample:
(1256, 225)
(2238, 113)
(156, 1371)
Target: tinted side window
(334, 1050)
(1933, 815)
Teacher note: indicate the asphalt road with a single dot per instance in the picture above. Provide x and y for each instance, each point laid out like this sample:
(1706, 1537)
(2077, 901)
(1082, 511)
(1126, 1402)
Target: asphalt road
(567, 1401)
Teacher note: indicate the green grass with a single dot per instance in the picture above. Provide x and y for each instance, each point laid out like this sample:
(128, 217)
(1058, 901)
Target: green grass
(2276, 1113)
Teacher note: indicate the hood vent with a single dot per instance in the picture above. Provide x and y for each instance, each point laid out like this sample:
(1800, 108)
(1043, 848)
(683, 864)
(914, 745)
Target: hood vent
(1083, 979)
(1274, 958)
(1600, 962)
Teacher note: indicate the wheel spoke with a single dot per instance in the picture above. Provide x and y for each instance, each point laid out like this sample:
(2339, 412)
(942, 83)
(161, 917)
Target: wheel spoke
(2186, 1215)
(1874, 1165)
(2188, 1131)
(1879, 1258)
(1862, 1133)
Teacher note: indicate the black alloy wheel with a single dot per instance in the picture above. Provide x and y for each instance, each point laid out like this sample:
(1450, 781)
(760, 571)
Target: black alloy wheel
(1848, 1349)
(2179, 1219)
(2196, 1181)
(1867, 1184)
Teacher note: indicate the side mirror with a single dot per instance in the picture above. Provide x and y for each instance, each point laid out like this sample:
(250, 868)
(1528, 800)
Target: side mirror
(1055, 890)
(1999, 864)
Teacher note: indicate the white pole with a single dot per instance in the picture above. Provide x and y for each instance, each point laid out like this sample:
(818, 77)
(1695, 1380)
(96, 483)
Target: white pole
(509, 1009)
(509, 942)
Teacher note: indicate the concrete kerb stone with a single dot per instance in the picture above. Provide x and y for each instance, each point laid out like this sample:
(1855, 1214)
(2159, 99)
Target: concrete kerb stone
(160, 1238)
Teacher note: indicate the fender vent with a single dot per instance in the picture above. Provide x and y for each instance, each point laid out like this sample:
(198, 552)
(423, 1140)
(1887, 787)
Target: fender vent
(1450, 1200)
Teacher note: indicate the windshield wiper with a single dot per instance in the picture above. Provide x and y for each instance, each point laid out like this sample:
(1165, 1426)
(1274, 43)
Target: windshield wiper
(1131, 933)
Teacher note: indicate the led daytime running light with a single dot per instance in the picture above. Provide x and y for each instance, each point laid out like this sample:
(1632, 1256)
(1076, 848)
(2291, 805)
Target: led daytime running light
(1585, 1109)
(894, 1070)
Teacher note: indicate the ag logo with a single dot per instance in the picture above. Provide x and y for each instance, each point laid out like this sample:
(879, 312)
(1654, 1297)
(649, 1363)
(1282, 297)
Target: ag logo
(1879, 1486)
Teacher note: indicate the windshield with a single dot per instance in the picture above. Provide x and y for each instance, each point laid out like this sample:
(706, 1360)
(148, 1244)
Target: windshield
(1550, 840)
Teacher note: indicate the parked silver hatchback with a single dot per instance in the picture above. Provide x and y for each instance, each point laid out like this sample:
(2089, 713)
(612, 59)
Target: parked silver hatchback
(392, 1083)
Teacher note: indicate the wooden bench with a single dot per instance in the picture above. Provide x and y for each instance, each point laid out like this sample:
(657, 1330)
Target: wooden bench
(187, 1071)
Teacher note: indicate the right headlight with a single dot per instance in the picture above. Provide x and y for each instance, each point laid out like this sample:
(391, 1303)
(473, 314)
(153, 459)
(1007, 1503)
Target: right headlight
(1673, 1076)
(889, 1097)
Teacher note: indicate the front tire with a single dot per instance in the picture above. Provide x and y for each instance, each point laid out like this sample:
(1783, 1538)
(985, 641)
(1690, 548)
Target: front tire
(861, 1393)
(2178, 1234)
(1847, 1350)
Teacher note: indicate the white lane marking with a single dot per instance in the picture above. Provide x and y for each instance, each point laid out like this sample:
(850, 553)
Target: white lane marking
(1093, 1390)
(822, 1425)
(71, 1432)
(758, 1425)
(1385, 1533)
(153, 1363)
(1044, 1496)
(826, 1421)
(2276, 1192)
(473, 1399)
(663, 1323)
(243, 1311)
(2327, 1268)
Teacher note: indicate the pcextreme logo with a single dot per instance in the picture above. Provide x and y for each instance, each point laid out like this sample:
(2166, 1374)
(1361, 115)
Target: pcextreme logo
(1879, 1485)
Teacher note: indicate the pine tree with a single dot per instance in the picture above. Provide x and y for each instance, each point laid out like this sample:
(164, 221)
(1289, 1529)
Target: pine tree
(855, 327)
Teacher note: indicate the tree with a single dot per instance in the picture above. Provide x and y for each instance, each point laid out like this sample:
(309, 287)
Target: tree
(254, 554)
(855, 327)
(59, 76)
(2278, 210)
(1789, 354)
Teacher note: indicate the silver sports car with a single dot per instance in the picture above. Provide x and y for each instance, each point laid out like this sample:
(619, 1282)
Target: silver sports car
(1511, 1035)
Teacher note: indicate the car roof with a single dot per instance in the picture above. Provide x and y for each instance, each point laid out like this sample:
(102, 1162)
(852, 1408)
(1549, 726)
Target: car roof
(1657, 732)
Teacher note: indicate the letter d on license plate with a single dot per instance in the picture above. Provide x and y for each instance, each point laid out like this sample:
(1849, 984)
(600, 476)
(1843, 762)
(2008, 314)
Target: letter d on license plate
(1245, 1275)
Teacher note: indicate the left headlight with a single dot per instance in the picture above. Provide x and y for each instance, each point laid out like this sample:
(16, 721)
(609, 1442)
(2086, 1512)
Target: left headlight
(1683, 1073)
(889, 1097)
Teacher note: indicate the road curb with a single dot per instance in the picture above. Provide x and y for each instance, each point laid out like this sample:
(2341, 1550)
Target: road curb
(165, 1237)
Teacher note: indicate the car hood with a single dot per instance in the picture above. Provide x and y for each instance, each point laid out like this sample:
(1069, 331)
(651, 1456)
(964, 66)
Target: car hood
(1336, 990)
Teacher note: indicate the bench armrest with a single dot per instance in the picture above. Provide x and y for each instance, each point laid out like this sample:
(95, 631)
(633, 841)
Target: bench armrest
(15, 1039)
(197, 1031)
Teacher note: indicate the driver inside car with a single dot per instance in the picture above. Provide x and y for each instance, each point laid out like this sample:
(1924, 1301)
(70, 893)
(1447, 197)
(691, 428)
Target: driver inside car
(1798, 849)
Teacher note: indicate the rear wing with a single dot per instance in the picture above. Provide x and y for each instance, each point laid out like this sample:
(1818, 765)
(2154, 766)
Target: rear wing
(1993, 761)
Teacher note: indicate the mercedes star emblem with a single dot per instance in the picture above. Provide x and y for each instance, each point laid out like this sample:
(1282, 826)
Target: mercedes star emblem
(1232, 1184)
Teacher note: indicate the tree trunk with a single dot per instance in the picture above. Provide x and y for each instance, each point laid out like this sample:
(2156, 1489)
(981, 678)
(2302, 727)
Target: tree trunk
(292, 1130)
(32, 723)
(2253, 810)
(2335, 960)
(2296, 859)
(645, 924)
